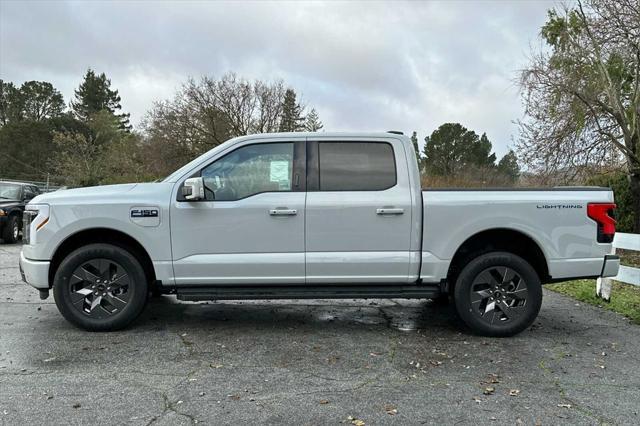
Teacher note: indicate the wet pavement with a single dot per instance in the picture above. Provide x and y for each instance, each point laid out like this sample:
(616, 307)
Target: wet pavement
(311, 362)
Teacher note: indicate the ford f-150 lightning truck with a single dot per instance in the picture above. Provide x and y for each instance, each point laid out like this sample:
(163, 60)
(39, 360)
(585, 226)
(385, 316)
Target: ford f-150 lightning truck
(312, 215)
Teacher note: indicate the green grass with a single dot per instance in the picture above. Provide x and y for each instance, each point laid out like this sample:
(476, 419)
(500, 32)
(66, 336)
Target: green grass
(625, 299)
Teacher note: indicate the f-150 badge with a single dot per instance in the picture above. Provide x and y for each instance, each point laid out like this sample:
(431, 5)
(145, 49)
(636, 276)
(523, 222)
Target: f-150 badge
(144, 213)
(145, 216)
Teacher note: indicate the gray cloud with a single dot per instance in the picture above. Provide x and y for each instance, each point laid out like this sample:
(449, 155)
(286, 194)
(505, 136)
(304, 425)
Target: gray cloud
(364, 66)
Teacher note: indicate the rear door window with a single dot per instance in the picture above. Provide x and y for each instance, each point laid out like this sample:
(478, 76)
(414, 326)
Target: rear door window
(356, 166)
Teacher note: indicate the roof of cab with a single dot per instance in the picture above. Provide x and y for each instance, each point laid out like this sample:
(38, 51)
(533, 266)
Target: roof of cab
(18, 183)
(350, 135)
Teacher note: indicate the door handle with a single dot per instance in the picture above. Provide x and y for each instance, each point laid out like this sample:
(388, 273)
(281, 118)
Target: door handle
(283, 212)
(389, 211)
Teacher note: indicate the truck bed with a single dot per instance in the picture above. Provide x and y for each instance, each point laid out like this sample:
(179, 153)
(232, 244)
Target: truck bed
(554, 218)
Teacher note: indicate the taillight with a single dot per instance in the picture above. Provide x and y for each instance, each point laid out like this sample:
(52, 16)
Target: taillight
(603, 213)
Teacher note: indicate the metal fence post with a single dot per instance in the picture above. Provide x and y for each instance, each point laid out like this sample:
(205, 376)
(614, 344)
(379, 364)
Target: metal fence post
(603, 288)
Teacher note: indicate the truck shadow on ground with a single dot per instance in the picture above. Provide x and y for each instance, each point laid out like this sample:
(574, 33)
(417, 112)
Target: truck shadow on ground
(165, 312)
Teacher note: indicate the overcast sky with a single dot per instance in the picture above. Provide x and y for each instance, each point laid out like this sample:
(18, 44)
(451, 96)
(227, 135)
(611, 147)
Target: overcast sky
(364, 66)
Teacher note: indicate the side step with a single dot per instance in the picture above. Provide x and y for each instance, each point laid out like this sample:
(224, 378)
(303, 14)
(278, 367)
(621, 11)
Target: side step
(308, 292)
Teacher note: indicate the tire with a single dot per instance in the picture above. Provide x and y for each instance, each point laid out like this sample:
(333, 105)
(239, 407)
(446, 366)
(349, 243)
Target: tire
(11, 231)
(498, 294)
(100, 287)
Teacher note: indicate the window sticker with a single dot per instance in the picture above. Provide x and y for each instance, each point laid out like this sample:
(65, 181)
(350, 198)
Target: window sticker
(279, 172)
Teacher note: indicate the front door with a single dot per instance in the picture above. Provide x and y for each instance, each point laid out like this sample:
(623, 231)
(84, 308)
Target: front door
(358, 227)
(250, 227)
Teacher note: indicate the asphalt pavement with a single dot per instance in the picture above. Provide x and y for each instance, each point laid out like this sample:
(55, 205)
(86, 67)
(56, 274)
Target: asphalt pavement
(311, 362)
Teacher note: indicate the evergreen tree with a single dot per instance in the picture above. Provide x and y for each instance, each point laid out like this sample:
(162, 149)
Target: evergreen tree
(95, 95)
(312, 121)
(481, 153)
(452, 148)
(291, 119)
(508, 166)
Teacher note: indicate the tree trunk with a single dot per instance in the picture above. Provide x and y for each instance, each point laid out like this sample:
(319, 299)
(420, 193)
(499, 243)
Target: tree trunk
(634, 184)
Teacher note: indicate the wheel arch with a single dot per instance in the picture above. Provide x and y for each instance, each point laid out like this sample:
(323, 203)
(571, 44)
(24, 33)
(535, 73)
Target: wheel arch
(499, 239)
(15, 212)
(102, 235)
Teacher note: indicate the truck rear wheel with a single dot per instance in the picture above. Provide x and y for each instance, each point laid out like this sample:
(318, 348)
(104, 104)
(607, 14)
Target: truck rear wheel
(498, 294)
(100, 287)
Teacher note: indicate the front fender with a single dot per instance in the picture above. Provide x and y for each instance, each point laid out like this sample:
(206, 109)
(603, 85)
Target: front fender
(66, 220)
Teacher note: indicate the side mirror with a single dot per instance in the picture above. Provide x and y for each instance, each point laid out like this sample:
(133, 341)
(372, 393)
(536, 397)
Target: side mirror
(193, 189)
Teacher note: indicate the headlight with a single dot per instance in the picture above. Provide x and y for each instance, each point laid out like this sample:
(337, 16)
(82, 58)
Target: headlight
(35, 217)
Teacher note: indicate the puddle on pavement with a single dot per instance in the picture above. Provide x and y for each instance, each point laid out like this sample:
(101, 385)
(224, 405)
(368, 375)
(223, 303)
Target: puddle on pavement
(402, 318)
(405, 316)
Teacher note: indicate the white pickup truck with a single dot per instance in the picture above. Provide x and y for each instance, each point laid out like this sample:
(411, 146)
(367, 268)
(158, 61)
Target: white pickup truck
(312, 215)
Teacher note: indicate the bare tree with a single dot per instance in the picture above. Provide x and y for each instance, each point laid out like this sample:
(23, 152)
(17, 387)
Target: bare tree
(207, 112)
(582, 95)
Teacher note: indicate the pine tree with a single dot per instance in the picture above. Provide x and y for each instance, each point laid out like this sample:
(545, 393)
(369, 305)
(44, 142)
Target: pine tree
(508, 166)
(481, 152)
(291, 119)
(312, 122)
(452, 148)
(95, 95)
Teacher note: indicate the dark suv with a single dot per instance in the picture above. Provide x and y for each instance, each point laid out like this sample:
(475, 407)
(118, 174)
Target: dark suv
(13, 197)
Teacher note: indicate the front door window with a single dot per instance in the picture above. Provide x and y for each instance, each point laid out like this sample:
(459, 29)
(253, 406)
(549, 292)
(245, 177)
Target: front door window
(250, 170)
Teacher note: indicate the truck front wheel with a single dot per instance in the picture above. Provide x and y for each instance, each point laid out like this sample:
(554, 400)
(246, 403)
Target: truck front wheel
(100, 287)
(11, 232)
(498, 294)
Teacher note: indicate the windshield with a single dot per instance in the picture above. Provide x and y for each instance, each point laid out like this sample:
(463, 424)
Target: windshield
(9, 191)
(199, 160)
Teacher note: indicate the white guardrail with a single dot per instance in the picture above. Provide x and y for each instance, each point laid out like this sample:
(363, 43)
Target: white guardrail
(627, 274)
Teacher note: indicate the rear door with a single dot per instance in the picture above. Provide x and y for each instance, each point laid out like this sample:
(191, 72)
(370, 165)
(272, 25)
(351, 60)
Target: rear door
(358, 211)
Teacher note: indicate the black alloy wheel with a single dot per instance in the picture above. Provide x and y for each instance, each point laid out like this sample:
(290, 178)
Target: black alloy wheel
(498, 294)
(100, 287)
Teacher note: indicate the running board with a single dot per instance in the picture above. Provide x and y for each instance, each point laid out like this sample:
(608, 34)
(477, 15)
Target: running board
(308, 292)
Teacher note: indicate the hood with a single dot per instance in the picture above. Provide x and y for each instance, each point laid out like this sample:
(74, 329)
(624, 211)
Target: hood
(90, 192)
(130, 193)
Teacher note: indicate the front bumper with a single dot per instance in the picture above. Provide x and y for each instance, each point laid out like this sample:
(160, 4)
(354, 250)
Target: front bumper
(611, 266)
(34, 272)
